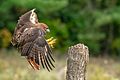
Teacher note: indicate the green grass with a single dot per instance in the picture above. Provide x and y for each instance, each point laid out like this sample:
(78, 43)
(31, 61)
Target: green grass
(15, 67)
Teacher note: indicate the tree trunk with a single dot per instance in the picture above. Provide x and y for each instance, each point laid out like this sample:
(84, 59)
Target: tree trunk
(78, 57)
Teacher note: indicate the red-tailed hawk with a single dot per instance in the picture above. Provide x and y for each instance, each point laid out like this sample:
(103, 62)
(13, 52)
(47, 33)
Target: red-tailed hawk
(29, 39)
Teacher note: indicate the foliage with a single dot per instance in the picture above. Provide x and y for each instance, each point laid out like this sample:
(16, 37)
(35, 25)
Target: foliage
(94, 23)
(5, 38)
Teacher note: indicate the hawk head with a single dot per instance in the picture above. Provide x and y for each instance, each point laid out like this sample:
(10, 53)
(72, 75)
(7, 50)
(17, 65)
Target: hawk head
(43, 27)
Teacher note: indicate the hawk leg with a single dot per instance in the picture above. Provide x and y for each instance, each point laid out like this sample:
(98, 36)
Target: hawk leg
(51, 41)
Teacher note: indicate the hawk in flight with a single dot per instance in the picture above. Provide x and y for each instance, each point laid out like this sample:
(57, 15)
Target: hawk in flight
(29, 38)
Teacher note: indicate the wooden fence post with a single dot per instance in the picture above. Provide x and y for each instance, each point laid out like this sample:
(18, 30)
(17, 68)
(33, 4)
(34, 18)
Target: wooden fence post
(78, 56)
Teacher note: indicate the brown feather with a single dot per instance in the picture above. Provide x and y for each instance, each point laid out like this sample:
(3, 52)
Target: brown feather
(33, 64)
(31, 43)
(29, 60)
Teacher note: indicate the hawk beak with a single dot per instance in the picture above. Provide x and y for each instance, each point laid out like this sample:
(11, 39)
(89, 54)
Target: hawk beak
(47, 30)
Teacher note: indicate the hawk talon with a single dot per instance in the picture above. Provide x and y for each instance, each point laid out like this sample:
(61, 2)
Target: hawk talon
(51, 41)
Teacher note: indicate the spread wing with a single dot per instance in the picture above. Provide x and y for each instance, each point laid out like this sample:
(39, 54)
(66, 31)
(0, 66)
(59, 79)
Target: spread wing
(22, 24)
(36, 49)
(19, 30)
(23, 29)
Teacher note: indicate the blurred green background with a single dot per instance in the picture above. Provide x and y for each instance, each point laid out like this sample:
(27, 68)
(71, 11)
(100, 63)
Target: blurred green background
(96, 23)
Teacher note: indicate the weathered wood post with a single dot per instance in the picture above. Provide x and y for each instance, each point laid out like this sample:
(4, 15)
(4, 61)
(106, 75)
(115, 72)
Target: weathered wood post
(78, 56)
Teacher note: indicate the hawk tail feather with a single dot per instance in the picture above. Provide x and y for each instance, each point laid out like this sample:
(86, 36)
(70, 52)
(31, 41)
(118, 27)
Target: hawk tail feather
(33, 64)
